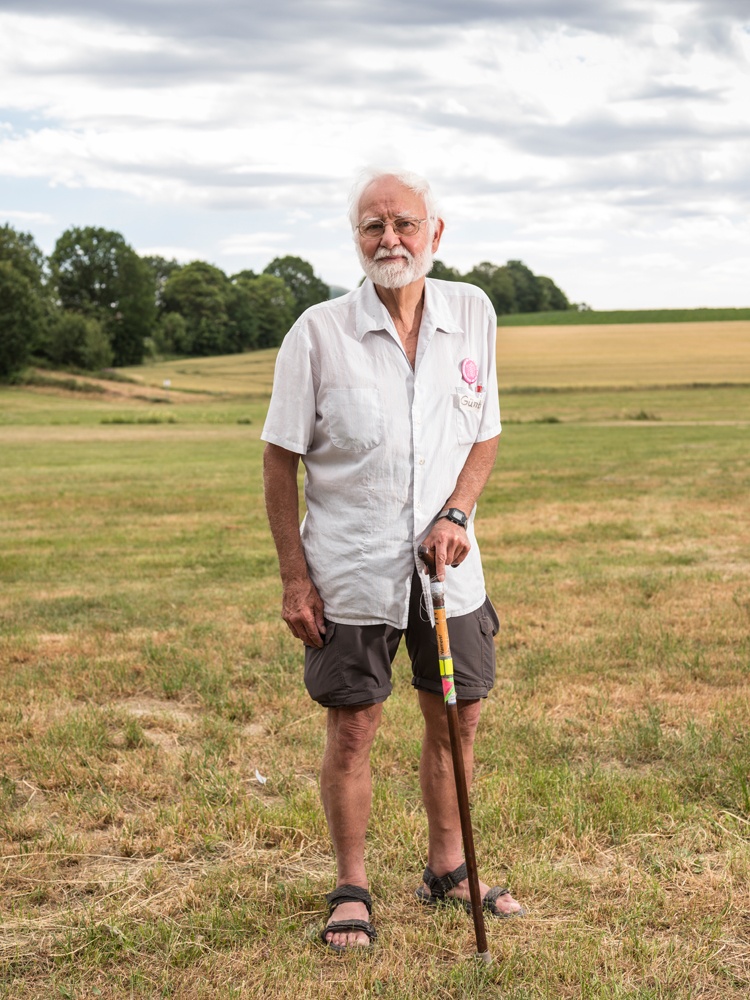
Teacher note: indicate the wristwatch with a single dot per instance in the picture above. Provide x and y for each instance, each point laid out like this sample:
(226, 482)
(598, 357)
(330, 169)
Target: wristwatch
(455, 515)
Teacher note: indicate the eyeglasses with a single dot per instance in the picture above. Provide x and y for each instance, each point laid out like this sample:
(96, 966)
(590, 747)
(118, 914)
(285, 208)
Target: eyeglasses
(373, 229)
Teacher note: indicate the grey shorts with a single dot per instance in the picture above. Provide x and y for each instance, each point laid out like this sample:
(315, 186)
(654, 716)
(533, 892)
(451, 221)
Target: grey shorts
(353, 667)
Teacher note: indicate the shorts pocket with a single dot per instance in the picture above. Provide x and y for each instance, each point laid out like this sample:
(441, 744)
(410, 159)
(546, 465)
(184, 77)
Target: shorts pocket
(323, 676)
(488, 620)
(355, 418)
(490, 626)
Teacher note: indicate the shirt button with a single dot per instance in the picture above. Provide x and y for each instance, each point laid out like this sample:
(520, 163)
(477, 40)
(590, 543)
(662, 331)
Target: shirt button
(421, 461)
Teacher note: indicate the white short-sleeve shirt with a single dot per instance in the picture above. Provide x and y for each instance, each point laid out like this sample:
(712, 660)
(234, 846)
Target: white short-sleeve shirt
(382, 443)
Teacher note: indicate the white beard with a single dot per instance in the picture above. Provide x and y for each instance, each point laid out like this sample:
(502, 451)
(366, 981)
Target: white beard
(395, 274)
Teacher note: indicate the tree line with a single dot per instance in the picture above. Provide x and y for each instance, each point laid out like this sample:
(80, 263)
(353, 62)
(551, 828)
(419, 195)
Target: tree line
(95, 303)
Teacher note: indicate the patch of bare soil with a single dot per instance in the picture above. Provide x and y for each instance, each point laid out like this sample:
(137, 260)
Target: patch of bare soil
(101, 388)
(154, 708)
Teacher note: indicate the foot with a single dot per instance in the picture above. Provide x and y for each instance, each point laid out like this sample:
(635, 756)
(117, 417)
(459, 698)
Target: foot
(348, 939)
(505, 904)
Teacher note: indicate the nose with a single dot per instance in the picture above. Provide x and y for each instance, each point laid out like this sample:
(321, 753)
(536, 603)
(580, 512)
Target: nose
(390, 237)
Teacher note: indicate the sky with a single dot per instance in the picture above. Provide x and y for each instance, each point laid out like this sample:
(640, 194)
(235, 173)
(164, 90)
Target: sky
(605, 143)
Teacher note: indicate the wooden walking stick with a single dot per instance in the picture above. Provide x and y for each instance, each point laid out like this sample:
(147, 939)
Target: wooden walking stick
(437, 591)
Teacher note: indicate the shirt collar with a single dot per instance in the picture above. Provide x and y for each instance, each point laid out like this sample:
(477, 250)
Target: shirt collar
(371, 315)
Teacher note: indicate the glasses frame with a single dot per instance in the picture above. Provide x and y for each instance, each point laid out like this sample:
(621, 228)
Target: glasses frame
(392, 224)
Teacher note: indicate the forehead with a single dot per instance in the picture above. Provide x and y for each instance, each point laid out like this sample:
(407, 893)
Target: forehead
(387, 197)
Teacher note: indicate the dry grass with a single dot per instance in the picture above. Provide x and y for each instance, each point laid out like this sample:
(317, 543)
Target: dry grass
(146, 682)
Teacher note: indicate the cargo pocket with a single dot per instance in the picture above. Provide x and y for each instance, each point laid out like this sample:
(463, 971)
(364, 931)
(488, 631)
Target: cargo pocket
(323, 678)
(490, 626)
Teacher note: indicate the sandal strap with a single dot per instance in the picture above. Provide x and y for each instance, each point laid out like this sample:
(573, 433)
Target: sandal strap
(348, 894)
(440, 885)
(490, 897)
(350, 925)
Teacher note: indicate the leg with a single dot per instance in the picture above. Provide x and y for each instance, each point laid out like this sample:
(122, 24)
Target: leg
(439, 788)
(346, 790)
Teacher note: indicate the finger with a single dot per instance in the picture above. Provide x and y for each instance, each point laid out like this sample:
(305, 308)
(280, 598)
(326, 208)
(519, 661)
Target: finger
(311, 635)
(319, 619)
(304, 628)
(439, 563)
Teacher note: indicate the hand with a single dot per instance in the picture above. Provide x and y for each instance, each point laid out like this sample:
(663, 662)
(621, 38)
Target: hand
(302, 610)
(450, 544)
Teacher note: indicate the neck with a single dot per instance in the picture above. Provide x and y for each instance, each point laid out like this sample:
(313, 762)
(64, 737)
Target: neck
(405, 308)
(402, 303)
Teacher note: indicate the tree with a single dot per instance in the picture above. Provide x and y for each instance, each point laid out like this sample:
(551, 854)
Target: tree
(99, 275)
(21, 252)
(19, 311)
(528, 293)
(162, 270)
(77, 340)
(497, 283)
(200, 293)
(443, 272)
(301, 281)
(551, 297)
(242, 308)
(171, 334)
(273, 306)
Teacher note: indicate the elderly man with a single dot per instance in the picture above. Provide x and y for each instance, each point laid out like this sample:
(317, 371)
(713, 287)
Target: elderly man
(389, 396)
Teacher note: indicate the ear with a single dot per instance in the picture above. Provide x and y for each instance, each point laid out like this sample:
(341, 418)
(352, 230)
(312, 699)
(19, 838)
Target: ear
(439, 227)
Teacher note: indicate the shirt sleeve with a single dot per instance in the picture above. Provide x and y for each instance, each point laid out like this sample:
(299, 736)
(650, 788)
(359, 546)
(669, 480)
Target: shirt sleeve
(290, 421)
(490, 425)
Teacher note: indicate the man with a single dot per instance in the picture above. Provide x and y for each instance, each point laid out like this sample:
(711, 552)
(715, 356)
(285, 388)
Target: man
(389, 396)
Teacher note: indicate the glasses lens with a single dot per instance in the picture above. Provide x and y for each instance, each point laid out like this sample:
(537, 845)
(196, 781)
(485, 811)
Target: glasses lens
(371, 230)
(406, 227)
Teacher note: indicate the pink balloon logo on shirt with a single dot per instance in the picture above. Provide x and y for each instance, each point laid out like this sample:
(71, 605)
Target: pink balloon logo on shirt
(469, 371)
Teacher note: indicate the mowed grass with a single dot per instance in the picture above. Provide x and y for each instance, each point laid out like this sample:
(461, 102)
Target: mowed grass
(148, 687)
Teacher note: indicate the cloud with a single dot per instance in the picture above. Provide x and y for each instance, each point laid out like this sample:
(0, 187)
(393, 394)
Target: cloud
(19, 215)
(552, 129)
(245, 244)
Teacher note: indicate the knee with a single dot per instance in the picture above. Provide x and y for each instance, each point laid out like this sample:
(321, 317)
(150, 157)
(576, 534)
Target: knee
(468, 719)
(351, 731)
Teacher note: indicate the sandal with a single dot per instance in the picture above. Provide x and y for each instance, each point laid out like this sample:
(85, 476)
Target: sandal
(348, 894)
(440, 886)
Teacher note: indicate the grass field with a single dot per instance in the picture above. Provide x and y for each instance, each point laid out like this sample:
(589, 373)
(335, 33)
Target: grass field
(572, 317)
(146, 682)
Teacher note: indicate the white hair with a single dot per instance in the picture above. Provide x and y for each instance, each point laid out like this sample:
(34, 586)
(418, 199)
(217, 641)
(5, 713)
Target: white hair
(409, 180)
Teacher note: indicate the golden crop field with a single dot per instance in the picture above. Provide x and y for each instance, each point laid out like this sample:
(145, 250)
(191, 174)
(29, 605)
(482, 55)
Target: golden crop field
(647, 354)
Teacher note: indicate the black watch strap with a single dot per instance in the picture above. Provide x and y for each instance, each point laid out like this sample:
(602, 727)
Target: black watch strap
(456, 516)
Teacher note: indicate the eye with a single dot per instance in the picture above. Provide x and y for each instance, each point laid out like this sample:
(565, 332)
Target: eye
(372, 229)
(406, 227)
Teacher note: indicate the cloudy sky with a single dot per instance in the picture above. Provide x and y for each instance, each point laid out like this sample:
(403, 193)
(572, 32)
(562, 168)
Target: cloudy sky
(605, 143)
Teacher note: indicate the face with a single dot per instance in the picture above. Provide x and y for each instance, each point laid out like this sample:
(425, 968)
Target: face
(394, 261)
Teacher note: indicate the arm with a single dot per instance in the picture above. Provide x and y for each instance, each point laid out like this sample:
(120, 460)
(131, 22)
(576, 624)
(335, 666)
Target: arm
(301, 606)
(450, 541)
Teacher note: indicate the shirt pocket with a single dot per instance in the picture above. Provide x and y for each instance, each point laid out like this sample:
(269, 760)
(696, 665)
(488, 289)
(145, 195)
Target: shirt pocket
(355, 418)
(469, 407)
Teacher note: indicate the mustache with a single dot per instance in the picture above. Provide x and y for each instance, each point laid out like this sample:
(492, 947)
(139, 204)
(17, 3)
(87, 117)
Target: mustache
(382, 252)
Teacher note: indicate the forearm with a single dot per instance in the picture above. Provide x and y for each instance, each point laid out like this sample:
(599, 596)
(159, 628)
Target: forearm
(301, 606)
(282, 508)
(449, 541)
(473, 477)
